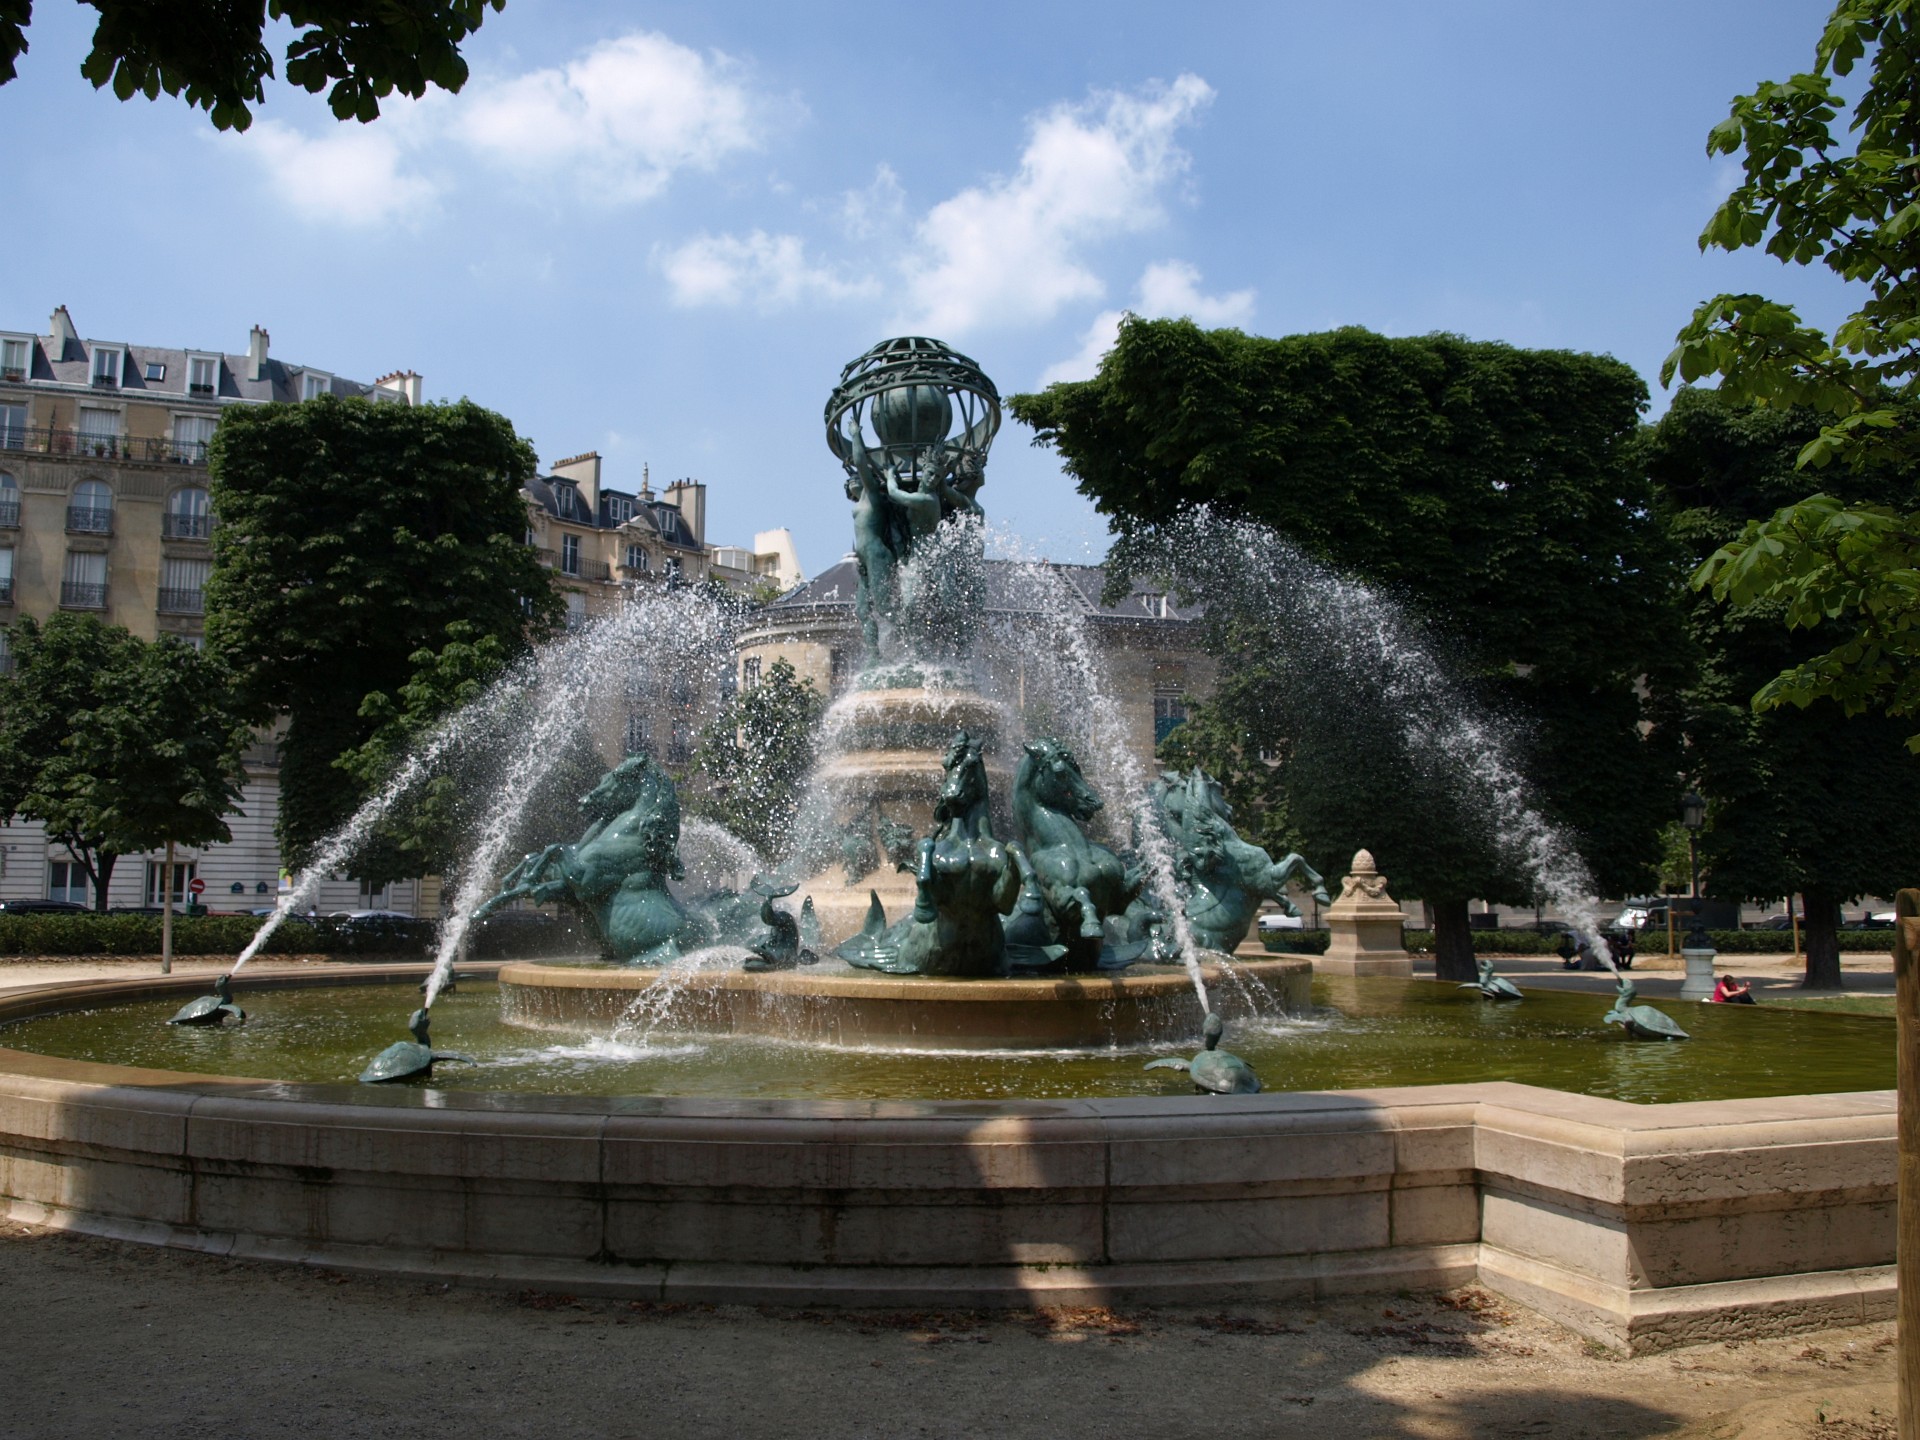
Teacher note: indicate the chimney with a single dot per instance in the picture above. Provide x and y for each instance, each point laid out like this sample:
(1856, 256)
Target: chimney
(60, 327)
(257, 354)
(690, 498)
(584, 471)
(404, 383)
(646, 489)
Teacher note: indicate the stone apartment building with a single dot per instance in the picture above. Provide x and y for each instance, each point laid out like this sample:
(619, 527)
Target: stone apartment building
(104, 508)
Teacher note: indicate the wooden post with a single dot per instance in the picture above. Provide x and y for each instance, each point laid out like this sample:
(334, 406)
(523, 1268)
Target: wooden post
(1670, 951)
(1906, 1004)
(166, 913)
(1793, 921)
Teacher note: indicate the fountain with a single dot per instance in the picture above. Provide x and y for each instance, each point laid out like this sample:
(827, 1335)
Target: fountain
(951, 1104)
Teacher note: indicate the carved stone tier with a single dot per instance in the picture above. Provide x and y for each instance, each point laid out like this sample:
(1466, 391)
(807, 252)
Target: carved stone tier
(826, 1006)
(1365, 924)
(885, 748)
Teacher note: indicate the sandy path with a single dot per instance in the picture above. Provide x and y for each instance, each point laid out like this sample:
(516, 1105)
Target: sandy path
(105, 1339)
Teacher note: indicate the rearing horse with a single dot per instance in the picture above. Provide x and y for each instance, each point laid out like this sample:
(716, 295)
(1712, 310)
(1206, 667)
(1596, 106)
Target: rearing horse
(1080, 881)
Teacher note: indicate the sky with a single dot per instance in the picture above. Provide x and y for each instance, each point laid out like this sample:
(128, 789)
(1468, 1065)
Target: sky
(659, 231)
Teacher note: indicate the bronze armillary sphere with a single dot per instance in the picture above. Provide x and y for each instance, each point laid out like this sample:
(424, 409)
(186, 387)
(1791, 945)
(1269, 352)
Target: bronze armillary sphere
(902, 398)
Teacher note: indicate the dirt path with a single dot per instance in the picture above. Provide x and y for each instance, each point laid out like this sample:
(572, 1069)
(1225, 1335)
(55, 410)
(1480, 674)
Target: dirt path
(105, 1339)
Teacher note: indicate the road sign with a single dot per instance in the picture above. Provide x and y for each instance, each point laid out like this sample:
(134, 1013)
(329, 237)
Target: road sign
(197, 886)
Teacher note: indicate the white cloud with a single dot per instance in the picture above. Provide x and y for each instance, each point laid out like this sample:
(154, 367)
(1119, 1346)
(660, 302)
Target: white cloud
(354, 175)
(615, 124)
(1169, 289)
(767, 271)
(620, 120)
(1012, 250)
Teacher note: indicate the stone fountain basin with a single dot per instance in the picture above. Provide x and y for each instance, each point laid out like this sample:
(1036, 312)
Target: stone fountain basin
(1638, 1225)
(853, 1008)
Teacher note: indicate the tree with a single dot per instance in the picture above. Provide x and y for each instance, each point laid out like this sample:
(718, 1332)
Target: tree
(1797, 802)
(1491, 490)
(1808, 197)
(115, 744)
(755, 756)
(212, 53)
(351, 536)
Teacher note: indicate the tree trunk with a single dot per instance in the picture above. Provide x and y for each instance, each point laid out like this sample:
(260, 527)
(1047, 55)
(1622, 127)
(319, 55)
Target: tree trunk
(1822, 934)
(166, 913)
(1452, 941)
(102, 872)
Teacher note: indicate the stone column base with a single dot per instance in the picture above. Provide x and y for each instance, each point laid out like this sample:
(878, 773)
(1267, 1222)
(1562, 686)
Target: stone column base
(1370, 964)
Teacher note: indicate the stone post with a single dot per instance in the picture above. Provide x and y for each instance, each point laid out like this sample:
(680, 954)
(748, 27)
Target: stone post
(1699, 953)
(1365, 926)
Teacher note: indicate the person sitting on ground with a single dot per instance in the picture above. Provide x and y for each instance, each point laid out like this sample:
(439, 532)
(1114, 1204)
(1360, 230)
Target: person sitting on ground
(1729, 991)
(1623, 948)
(1569, 955)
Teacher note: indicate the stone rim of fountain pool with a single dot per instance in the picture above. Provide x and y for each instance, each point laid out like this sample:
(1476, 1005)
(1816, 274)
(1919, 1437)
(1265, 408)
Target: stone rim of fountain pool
(1640, 1226)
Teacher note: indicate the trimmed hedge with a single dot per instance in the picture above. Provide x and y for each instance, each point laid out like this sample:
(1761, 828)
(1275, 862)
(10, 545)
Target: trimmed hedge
(71, 934)
(1525, 942)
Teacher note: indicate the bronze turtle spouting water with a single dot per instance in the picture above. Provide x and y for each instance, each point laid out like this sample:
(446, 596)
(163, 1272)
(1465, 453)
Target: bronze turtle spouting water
(1490, 985)
(1642, 1022)
(1213, 1070)
(405, 1059)
(214, 1009)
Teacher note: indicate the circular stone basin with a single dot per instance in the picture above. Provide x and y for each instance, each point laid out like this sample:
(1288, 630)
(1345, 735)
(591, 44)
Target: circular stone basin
(851, 1010)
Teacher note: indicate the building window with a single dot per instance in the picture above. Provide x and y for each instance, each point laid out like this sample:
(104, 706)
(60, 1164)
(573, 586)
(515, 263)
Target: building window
(671, 569)
(750, 672)
(183, 872)
(639, 737)
(66, 881)
(99, 431)
(637, 559)
(16, 358)
(155, 372)
(374, 897)
(13, 427)
(576, 609)
(1169, 713)
(6, 654)
(83, 580)
(106, 365)
(6, 575)
(313, 386)
(190, 436)
(187, 516)
(9, 502)
(90, 509)
(203, 375)
(569, 554)
(183, 586)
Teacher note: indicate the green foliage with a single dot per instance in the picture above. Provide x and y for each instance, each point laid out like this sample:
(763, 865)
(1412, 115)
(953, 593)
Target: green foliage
(1490, 489)
(115, 744)
(352, 537)
(433, 824)
(212, 52)
(1799, 802)
(755, 756)
(1853, 205)
(71, 934)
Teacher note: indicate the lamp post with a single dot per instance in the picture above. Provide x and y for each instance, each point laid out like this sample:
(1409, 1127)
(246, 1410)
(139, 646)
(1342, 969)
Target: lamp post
(1693, 814)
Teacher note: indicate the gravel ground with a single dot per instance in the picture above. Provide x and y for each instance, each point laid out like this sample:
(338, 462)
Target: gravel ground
(109, 1339)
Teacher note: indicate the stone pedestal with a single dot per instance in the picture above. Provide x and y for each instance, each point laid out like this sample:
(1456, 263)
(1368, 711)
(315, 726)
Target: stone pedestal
(1700, 979)
(884, 750)
(1365, 922)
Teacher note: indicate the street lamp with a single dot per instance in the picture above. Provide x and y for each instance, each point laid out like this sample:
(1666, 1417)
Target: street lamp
(1693, 814)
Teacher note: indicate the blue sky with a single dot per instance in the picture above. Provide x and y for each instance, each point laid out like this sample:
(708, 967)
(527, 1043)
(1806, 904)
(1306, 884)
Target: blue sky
(659, 230)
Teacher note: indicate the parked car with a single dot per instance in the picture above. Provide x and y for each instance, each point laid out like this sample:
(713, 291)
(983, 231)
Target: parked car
(1279, 920)
(1776, 922)
(1879, 920)
(43, 907)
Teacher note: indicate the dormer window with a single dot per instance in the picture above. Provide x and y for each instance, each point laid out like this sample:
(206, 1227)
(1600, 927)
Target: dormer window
(107, 360)
(313, 385)
(16, 357)
(203, 374)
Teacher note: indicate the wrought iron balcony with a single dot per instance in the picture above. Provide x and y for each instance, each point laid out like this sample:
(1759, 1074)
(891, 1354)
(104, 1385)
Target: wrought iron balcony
(78, 596)
(185, 527)
(89, 519)
(9, 514)
(596, 570)
(136, 449)
(182, 602)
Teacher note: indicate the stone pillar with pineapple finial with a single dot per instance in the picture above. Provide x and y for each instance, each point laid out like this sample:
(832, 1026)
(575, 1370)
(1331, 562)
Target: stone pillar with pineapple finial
(1365, 924)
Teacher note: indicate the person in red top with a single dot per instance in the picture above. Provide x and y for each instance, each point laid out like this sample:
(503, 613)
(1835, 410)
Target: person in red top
(1729, 991)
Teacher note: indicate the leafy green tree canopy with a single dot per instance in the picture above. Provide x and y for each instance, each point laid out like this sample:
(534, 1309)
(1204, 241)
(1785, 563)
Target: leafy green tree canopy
(115, 744)
(351, 536)
(213, 53)
(1808, 197)
(1490, 490)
